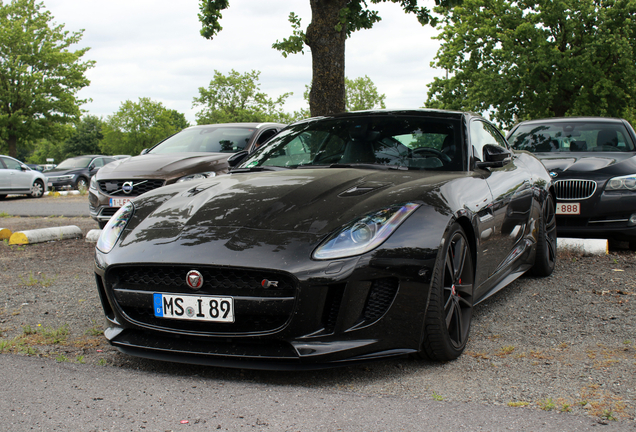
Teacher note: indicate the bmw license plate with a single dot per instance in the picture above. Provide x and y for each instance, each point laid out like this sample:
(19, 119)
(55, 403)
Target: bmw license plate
(570, 208)
(197, 308)
(118, 202)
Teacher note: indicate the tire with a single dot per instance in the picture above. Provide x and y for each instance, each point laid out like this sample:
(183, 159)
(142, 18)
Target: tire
(450, 307)
(545, 258)
(82, 183)
(37, 190)
(3, 196)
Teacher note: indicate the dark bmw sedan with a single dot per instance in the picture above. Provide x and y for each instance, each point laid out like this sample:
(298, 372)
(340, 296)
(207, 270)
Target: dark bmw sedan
(592, 161)
(344, 238)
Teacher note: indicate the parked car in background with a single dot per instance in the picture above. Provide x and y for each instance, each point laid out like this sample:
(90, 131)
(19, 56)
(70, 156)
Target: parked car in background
(345, 238)
(18, 178)
(192, 154)
(121, 156)
(36, 167)
(76, 172)
(592, 161)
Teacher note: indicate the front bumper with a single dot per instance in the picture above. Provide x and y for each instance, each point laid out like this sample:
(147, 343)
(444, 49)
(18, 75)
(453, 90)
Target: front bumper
(605, 215)
(358, 310)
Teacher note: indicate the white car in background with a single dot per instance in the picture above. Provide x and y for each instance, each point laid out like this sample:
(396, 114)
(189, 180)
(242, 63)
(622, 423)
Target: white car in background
(16, 178)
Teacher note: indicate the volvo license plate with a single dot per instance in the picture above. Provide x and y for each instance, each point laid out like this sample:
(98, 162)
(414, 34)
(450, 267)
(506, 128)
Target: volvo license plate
(119, 202)
(196, 308)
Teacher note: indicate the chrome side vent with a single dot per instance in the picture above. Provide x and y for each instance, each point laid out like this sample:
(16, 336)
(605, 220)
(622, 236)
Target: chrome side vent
(574, 189)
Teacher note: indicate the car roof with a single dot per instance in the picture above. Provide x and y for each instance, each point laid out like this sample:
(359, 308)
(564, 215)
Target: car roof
(254, 125)
(420, 112)
(574, 120)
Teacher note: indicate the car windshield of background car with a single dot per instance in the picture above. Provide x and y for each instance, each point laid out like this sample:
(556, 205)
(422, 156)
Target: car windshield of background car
(572, 137)
(396, 141)
(81, 162)
(206, 140)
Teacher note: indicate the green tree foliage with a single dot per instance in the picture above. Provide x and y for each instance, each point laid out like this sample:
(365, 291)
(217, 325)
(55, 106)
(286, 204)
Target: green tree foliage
(333, 21)
(237, 98)
(39, 75)
(362, 94)
(532, 59)
(85, 139)
(139, 125)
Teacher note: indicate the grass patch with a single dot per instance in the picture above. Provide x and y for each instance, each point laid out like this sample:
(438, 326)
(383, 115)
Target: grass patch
(518, 404)
(39, 279)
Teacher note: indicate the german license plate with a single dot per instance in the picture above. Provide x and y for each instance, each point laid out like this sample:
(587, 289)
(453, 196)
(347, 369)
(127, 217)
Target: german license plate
(197, 308)
(568, 208)
(118, 202)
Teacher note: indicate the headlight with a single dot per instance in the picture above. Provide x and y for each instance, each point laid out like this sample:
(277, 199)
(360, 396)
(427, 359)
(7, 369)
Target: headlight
(63, 178)
(364, 234)
(198, 176)
(115, 226)
(93, 184)
(627, 182)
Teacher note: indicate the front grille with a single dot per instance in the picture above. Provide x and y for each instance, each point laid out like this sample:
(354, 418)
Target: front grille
(574, 189)
(115, 187)
(257, 309)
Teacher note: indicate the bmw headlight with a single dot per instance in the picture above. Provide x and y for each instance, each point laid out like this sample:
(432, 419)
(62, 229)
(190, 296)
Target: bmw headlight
(365, 233)
(197, 176)
(627, 182)
(115, 226)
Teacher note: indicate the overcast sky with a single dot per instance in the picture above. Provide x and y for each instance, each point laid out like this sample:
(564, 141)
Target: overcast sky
(153, 48)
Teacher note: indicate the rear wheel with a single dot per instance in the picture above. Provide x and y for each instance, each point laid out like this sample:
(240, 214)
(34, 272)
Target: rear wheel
(545, 258)
(450, 308)
(37, 190)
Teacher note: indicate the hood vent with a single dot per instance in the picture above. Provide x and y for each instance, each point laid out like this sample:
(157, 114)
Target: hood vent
(363, 188)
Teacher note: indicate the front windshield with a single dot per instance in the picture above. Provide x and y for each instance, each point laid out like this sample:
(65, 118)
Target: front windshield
(390, 141)
(211, 139)
(572, 137)
(80, 162)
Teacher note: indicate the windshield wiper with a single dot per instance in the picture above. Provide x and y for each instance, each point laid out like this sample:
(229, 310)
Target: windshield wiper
(368, 166)
(258, 169)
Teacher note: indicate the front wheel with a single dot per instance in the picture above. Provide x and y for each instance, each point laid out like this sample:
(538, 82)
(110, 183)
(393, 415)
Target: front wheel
(545, 258)
(450, 308)
(37, 190)
(82, 184)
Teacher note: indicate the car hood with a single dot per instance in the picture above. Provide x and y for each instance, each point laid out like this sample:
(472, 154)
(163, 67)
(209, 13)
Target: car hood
(574, 163)
(311, 201)
(163, 166)
(55, 172)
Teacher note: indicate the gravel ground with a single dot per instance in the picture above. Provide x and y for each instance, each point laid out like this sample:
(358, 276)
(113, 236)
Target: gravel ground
(564, 343)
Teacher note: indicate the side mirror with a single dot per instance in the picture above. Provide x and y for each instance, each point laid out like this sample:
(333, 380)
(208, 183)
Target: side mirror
(144, 151)
(494, 156)
(237, 158)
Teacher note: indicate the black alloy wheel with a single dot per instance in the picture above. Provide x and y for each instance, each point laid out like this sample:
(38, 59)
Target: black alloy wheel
(37, 190)
(545, 258)
(450, 309)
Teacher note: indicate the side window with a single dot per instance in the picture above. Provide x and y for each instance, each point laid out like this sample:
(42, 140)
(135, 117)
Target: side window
(11, 164)
(98, 162)
(264, 137)
(482, 133)
(2, 165)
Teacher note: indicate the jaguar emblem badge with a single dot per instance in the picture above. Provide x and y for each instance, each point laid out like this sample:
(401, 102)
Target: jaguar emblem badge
(194, 279)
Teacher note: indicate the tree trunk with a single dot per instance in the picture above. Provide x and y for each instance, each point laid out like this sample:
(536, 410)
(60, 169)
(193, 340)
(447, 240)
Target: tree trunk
(13, 146)
(327, 95)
